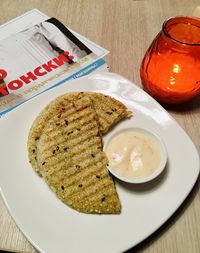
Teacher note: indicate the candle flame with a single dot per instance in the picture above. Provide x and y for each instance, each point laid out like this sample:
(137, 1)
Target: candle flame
(176, 68)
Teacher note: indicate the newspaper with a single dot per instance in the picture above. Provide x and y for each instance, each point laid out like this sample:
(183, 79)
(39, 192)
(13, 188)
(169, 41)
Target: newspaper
(37, 53)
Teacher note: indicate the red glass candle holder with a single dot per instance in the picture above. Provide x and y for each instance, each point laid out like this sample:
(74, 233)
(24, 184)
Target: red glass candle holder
(170, 70)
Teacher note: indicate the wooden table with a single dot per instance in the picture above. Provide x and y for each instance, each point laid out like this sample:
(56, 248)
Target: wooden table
(126, 28)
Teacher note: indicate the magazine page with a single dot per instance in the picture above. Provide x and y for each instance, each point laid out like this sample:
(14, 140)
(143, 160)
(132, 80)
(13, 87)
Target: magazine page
(41, 57)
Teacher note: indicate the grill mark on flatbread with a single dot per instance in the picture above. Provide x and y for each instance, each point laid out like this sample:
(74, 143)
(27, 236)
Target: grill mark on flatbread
(88, 190)
(85, 124)
(73, 169)
(68, 154)
(62, 123)
(39, 123)
(65, 131)
(88, 178)
(48, 149)
(103, 190)
(108, 110)
(93, 194)
(62, 143)
(71, 117)
(73, 162)
(73, 189)
(74, 173)
(85, 173)
(106, 119)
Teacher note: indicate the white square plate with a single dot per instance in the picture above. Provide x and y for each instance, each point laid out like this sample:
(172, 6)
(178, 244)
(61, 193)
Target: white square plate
(52, 226)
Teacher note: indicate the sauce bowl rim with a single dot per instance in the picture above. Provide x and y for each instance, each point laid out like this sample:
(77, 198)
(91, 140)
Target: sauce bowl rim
(158, 142)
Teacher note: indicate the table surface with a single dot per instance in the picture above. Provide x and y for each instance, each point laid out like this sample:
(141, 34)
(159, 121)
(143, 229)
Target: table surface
(125, 28)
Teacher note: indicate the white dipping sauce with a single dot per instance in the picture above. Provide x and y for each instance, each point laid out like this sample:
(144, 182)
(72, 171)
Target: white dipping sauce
(133, 154)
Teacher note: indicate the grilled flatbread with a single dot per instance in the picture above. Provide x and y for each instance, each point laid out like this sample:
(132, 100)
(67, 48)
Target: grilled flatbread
(70, 159)
(108, 110)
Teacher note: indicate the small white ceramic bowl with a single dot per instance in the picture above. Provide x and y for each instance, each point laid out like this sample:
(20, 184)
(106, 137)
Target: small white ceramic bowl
(157, 141)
